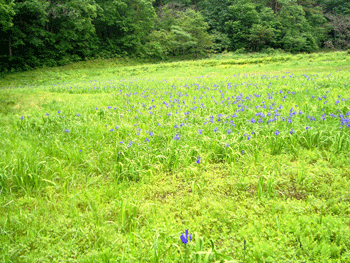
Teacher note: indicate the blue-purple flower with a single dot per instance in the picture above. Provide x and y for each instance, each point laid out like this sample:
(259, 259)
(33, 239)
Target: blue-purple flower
(199, 160)
(177, 137)
(184, 237)
(66, 130)
(130, 143)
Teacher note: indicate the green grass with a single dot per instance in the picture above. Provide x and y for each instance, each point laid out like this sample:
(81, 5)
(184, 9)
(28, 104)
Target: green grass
(70, 191)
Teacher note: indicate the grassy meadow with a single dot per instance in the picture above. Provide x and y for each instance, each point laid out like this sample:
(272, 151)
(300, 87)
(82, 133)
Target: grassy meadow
(111, 160)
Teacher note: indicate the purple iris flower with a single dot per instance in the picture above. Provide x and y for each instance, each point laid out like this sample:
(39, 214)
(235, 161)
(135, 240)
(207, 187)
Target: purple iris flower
(200, 131)
(199, 160)
(184, 237)
(47, 114)
(277, 132)
(22, 118)
(66, 130)
(177, 137)
(216, 129)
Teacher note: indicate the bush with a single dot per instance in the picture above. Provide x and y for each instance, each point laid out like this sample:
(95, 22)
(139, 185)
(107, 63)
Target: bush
(272, 51)
(240, 51)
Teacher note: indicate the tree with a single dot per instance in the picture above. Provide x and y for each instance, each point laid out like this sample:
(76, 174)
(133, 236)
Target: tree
(340, 31)
(27, 34)
(340, 7)
(123, 25)
(214, 12)
(159, 44)
(7, 13)
(296, 31)
(195, 25)
(259, 36)
(178, 33)
(71, 29)
(241, 17)
(182, 40)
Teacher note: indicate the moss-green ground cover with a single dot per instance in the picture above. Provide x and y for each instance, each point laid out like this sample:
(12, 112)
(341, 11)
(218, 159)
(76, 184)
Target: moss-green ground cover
(103, 162)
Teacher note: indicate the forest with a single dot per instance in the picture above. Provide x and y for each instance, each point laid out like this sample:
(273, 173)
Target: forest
(38, 33)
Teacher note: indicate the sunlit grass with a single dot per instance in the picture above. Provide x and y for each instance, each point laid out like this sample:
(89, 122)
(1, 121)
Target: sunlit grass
(112, 163)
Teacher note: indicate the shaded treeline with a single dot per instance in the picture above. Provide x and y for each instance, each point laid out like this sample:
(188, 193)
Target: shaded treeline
(34, 33)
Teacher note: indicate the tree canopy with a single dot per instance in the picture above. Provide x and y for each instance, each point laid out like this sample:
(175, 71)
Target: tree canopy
(56, 32)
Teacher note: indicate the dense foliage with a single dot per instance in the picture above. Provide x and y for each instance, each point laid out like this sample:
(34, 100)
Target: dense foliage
(55, 32)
